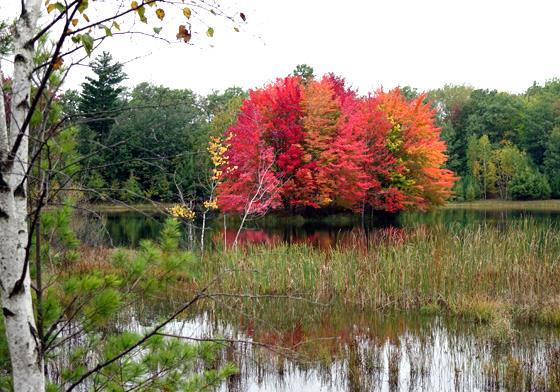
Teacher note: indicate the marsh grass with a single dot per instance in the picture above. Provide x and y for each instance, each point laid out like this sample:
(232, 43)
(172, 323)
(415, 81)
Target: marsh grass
(480, 272)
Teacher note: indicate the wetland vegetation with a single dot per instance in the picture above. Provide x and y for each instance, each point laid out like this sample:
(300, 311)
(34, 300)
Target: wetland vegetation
(460, 299)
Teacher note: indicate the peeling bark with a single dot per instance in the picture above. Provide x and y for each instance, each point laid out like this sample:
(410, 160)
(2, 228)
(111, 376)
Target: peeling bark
(21, 332)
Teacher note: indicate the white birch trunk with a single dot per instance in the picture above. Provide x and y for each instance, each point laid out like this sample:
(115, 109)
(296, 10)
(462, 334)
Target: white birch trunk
(21, 334)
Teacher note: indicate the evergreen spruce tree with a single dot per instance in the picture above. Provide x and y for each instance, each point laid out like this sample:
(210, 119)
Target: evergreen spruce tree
(99, 102)
(131, 189)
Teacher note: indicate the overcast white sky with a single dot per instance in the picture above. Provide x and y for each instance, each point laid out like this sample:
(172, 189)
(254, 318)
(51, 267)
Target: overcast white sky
(489, 44)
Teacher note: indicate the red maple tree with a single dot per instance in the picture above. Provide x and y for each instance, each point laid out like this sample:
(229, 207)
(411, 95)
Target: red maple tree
(318, 144)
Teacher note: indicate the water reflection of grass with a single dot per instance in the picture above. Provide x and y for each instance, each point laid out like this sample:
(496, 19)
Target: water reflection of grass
(364, 350)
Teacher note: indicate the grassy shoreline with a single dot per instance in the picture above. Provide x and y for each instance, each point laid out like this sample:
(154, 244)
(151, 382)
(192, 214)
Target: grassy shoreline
(479, 272)
(551, 205)
(517, 205)
(142, 207)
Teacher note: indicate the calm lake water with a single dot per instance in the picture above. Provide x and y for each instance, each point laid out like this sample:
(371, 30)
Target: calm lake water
(337, 348)
(129, 228)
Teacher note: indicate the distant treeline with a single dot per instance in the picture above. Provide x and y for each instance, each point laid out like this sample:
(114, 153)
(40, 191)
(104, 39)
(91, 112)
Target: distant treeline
(151, 142)
(501, 145)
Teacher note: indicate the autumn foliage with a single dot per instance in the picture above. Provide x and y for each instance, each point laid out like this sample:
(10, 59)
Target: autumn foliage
(318, 144)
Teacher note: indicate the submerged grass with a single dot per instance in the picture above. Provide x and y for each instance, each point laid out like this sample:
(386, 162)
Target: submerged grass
(480, 272)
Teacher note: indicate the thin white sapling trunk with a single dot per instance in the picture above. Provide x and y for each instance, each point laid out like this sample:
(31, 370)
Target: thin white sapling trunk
(17, 307)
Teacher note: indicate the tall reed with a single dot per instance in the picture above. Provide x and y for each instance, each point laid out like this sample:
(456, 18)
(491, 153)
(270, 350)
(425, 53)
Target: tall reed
(474, 267)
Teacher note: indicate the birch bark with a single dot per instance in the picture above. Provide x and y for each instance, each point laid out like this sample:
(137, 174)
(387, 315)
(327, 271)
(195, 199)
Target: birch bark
(17, 306)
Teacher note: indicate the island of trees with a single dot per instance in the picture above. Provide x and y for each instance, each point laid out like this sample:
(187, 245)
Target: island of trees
(305, 142)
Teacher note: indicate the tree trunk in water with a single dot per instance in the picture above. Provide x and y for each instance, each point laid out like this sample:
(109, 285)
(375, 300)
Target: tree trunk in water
(17, 307)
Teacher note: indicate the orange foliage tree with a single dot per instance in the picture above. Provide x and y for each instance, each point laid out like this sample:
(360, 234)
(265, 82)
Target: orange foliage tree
(318, 144)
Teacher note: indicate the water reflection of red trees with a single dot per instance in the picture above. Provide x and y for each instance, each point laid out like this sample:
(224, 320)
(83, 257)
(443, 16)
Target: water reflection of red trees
(330, 333)
(291, 338)
(356, 237)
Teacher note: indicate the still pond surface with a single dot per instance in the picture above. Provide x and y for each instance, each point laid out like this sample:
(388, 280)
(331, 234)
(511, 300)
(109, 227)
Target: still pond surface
(127, 229)
(337, 348)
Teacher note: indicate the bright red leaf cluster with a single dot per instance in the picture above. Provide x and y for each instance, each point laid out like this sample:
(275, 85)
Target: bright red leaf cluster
(317, 144)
